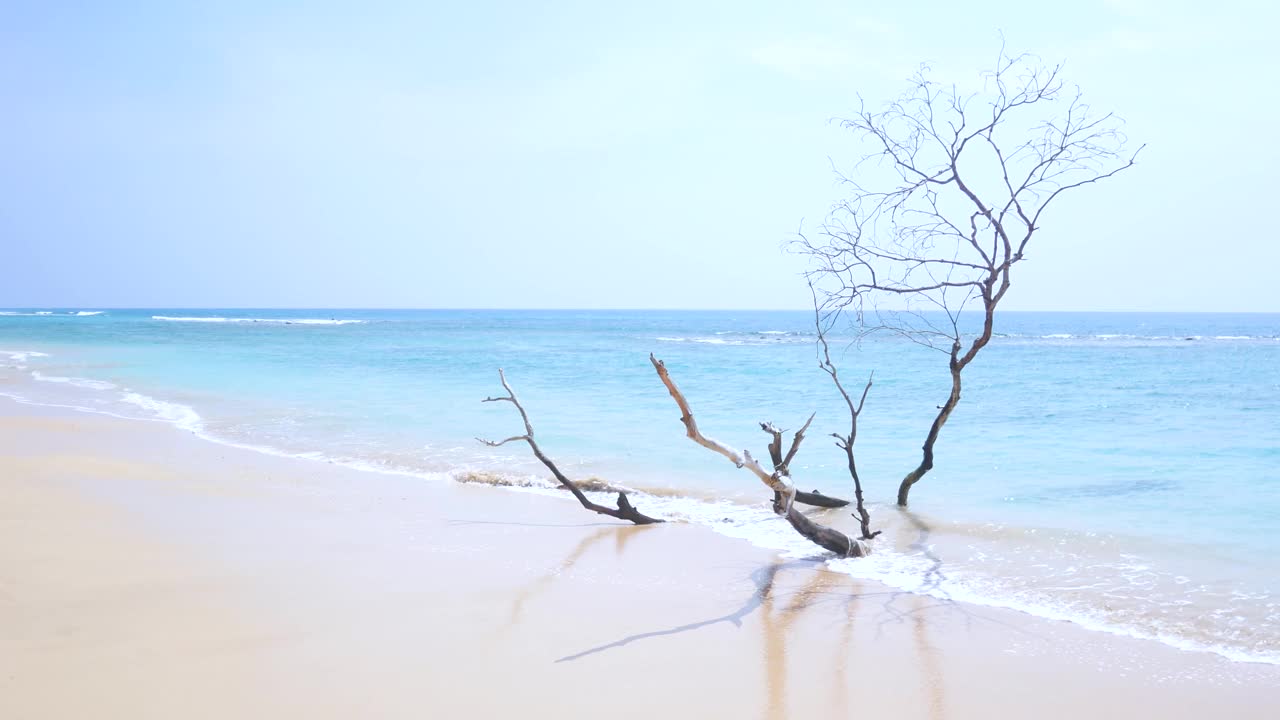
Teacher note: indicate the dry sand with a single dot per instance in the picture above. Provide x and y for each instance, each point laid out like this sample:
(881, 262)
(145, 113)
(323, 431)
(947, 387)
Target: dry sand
(145, 573)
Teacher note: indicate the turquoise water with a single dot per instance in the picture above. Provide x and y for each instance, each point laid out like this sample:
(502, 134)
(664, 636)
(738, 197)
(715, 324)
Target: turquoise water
(1118, 470)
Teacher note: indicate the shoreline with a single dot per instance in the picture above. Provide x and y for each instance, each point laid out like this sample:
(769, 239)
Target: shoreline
(138, 553)
(899, 564)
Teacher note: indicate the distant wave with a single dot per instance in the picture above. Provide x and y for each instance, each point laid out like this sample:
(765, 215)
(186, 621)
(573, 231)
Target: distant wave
(704, 340)
(1123, 337)
(782, 337)
(778, 337)
(271, 321)
(738, 337)
(47, 313)
(762, 332)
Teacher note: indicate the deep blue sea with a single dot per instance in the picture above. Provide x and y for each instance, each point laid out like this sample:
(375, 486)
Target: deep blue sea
(1119, 470)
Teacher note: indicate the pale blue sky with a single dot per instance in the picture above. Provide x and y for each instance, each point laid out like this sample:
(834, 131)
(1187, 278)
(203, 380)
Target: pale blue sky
(505, 154)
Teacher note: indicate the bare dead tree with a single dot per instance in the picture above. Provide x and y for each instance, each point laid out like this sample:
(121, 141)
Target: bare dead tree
(845, 442)
(946, 201)
(624, 511)
(779, 480)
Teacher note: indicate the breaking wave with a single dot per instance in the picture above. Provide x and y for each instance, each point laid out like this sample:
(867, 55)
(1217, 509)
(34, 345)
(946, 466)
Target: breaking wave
(20, 357)
(735, 337)
(50, 313)
(180, 415)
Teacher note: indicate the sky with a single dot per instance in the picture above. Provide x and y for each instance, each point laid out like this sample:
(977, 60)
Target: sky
(585, 155)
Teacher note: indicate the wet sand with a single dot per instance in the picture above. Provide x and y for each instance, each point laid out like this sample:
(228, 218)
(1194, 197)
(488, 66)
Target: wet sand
(146, 573)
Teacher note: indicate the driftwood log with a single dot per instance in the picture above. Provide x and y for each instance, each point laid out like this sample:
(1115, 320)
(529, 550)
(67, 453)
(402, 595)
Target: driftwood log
(779, 480)
(624, 510)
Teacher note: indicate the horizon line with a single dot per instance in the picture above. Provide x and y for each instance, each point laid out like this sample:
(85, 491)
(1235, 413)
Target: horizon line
(577, 309)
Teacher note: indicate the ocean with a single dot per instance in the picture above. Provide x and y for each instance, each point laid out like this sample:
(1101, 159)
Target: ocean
(1117, 470)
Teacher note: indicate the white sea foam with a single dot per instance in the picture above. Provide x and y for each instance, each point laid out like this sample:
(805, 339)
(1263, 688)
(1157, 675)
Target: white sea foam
(270, 321)
(1125, 338)
(78, 408)
(703, 340)
(77, 382)
(764, 337)
(47, 313)
(180, 415)
(916, 574)
(22, 356)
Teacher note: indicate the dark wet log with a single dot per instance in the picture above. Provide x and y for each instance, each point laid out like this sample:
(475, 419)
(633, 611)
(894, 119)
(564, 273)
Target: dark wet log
(624, 511)
(817, 499)
(825, 537)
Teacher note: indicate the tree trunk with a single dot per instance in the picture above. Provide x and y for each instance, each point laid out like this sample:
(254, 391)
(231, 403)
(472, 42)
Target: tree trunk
(864, 517)
(825, 537)
(944, 412)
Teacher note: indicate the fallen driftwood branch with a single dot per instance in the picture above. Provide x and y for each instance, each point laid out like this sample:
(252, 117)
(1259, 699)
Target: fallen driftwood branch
(779, 480)
(624, 511)
(780, 462)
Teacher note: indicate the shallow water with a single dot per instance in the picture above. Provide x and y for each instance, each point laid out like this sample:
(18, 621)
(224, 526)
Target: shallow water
(1114, 469)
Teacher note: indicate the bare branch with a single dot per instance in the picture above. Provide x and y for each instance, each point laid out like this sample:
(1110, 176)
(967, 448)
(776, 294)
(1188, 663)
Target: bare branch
(500, 443)
(795, 441)
(845, 442)
(779, 481)
(945, 201)
(624, 511)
